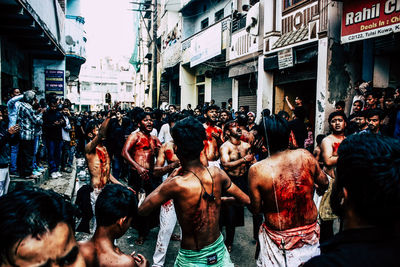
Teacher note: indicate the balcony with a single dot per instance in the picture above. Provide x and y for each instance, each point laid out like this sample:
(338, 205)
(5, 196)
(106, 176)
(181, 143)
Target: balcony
(75, 44)
(206, 44)
(243, 44)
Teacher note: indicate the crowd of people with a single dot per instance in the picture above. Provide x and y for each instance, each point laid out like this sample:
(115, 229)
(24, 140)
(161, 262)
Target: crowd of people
(312, 205)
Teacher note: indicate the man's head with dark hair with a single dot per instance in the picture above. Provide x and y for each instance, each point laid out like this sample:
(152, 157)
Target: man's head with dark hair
(374, 119)
(340, 105)
(283, 114)
(158, 113)
(37, 229)
(300, 113)
(358, 106)
(116, 205)
(231, 128)
(225, 116)
(14, 92)
(188, 135)
(92, 129)
(337, 122)
(145, 122)
(360, 119)
(172, 109)
(148, 109)
(211, 114)
(242, 119)
(371, 99)
(173, 118)
(367, 185)
(275, 131)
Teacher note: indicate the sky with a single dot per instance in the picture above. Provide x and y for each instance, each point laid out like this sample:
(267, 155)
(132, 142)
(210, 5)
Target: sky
(109, 28)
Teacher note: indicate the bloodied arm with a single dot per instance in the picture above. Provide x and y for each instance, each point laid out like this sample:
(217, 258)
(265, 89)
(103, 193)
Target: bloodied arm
(166, 191)
(160, 169)
(91, 146)
(255, 196)
(233, 190)
(320, 180)
(129, 144)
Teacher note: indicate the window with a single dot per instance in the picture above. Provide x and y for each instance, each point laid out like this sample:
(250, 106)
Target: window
(290, 3)
(129, 87)
(204, 23)
(219, 15)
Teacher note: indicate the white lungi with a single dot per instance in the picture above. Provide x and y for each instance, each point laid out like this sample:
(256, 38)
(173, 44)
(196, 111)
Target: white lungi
(4, 181)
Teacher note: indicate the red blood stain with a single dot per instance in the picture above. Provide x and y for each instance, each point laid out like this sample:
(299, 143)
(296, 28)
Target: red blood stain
(169, 154)
(335, 147)
(209, 130)
(244, 138)
(143, 143)
(102, 158)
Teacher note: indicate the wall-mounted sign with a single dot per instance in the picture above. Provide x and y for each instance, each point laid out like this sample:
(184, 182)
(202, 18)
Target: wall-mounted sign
(206, 45)
(285, 58)
(54, 82)
(364, 19)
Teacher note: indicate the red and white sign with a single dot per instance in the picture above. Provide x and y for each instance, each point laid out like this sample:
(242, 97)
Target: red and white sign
(364, 19)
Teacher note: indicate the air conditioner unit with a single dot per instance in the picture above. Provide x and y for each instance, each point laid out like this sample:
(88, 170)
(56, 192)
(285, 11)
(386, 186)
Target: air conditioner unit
(245, 5)
(252, 20)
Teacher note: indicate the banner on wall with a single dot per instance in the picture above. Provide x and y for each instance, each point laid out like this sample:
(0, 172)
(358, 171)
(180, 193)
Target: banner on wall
(54, 82)
(364, 19)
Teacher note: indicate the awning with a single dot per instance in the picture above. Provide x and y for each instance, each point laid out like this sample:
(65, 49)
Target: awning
(292, 38)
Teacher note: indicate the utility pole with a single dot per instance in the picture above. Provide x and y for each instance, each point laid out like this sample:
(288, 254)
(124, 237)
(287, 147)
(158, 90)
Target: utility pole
(154, 88)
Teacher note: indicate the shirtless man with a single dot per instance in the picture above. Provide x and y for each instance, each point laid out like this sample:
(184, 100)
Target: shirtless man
(235, 159)
(196, 191)
(246, 136)
(98, 162)
(139, 151)
(116, 207)
(282, 187)
(329, 147)
(214, 136)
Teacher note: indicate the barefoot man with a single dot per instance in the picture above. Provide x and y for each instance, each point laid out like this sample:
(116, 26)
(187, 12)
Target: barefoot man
(214, 136)
(98, 162)
(329, 148)
(235, 159)
(140, 150)
(282, 187)
(196, 192)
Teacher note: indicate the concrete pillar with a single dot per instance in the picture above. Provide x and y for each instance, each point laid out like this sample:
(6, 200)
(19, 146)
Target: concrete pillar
(322, 86)
(235, 94)
(207, 90)
(188, 87)
(265, 88)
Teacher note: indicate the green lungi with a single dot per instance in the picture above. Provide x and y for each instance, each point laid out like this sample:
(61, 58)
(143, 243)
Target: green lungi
(215, 255)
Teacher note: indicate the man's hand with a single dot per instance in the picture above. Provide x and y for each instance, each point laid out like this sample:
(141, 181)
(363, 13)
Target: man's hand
(13, 129)
(216, 135)
(143, 173)
(140, 260)
(248, 157)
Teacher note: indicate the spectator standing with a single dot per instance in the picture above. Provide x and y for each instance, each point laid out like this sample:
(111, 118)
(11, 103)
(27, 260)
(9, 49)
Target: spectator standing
(53, 122)
(5, 137)
(67, 156)
(27, 120)
(298, 126)
(12, 106)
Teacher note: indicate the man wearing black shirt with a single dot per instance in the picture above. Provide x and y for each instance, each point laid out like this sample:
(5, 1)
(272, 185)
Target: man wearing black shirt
(366, 195)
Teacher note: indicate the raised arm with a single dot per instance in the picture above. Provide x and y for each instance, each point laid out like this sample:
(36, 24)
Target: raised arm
(288, 103)
(91, 146)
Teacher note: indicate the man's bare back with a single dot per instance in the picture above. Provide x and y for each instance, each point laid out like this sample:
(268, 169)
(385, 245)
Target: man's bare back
(99, 166)
(97, 255)
(282, 187)
(197, 216)
(211, 146)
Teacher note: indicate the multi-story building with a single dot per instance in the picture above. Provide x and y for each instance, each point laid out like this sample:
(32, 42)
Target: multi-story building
(104, 83)
(34, 45)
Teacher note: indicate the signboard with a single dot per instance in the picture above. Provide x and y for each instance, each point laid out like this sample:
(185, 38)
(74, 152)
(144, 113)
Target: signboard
(54, 82)
(285, 58)
(364, 19)
(206, 45)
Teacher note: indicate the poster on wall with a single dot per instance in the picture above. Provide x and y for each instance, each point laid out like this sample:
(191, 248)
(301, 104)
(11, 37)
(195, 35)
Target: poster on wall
(364, 19)
(54, 82)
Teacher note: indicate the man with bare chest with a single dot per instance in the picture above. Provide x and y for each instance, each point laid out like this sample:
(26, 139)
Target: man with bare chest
(329, 148)
(246, 136)
(98, 162)
(214, 136)
(196, 191)
(282, 187)
(236, 159)
(139, 151)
